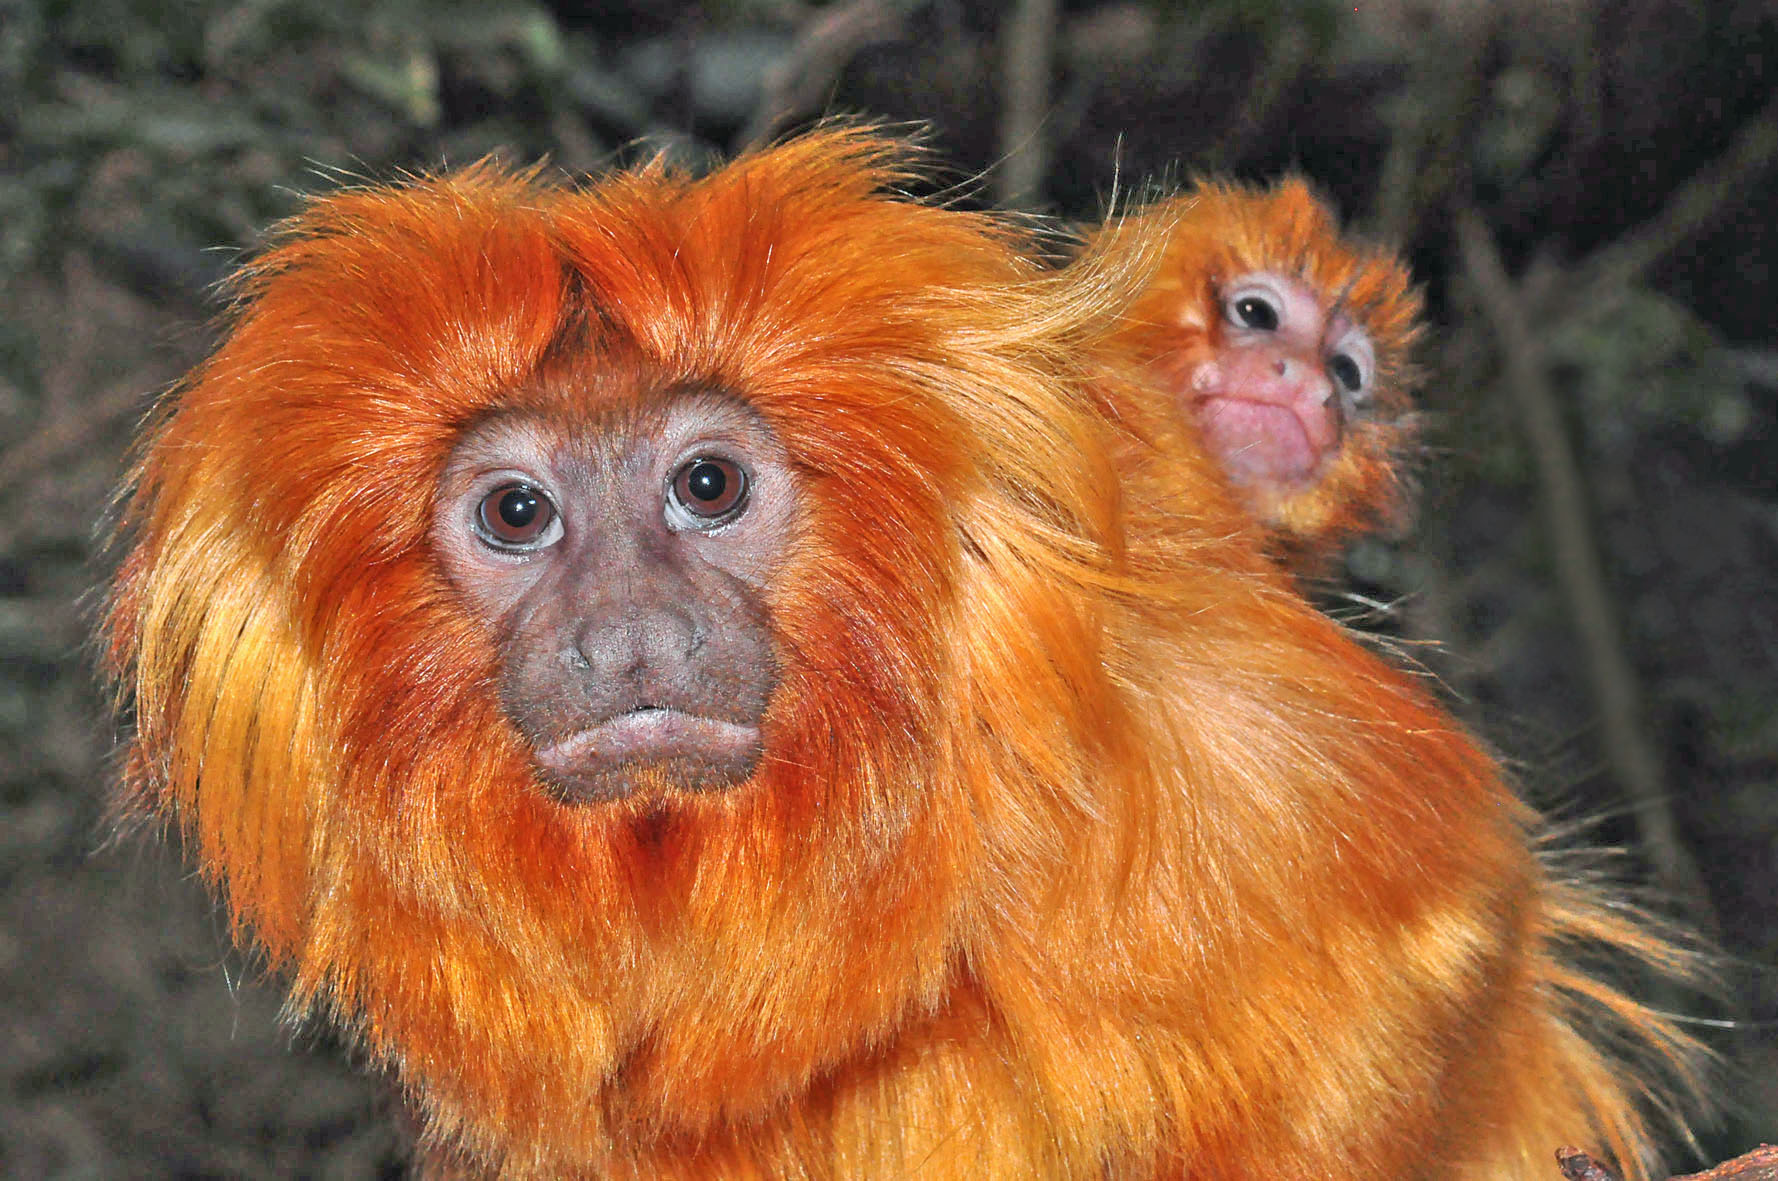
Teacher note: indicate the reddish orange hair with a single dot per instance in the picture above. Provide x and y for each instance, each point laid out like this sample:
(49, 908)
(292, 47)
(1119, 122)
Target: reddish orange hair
(1217, 232)
(1081, 847)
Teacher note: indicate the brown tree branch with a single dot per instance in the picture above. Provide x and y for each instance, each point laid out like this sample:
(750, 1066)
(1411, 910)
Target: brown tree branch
(1759, 1165)
(1580, 569)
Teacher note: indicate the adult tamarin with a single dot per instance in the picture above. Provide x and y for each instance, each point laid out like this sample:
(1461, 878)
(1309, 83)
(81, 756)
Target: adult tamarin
(688, 676)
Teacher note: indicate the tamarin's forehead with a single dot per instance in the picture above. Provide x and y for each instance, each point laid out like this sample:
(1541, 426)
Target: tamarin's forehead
(574, 420)
(1232, 229)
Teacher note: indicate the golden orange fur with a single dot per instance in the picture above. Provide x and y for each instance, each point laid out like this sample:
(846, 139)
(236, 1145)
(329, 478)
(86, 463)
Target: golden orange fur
(1081, 847)
(1217, 231)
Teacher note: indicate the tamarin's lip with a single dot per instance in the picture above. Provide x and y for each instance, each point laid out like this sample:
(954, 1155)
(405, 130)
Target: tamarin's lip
(650, 734)
(1261, 440)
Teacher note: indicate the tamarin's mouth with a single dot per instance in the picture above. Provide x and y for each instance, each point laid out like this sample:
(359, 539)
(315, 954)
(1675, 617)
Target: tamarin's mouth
(1260, 441)
(654, 746)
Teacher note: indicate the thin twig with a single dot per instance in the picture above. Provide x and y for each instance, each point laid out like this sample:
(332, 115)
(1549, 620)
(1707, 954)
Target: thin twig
(1288, 55)
(1028, 51)
(1694, 207)
(800, 82)
(1428, 154)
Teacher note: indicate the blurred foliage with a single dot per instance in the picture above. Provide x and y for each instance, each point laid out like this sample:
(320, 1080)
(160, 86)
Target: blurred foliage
(175, 126)
(1642, 363)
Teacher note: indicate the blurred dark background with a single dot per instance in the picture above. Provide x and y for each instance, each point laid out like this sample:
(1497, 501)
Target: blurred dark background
(1586, 187)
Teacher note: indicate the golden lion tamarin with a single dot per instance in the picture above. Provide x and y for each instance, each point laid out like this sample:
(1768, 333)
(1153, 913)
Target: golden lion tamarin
(1287, 347)
(689, 675)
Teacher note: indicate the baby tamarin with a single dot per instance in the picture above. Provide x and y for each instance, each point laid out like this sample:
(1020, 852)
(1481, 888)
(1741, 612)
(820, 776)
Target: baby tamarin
(1286, 346)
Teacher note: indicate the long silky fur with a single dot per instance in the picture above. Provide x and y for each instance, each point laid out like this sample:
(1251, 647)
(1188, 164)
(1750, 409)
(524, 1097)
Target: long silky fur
(1081, 846)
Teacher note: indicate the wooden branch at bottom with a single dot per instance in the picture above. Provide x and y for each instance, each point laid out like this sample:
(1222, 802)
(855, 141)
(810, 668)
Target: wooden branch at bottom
(1759, 1165)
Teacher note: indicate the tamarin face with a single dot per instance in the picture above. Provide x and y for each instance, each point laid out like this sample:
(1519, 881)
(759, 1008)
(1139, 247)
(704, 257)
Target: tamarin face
(623, 568)
(1274, 401)
(1286, 348)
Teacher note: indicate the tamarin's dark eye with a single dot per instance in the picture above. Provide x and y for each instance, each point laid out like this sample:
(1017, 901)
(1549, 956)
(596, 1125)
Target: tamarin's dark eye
(707, 492)
(1346, 371)
(1253, 311)
(514, 515)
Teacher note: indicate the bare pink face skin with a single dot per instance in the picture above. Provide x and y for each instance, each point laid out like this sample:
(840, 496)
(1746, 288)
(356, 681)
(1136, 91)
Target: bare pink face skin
(1274, 399)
